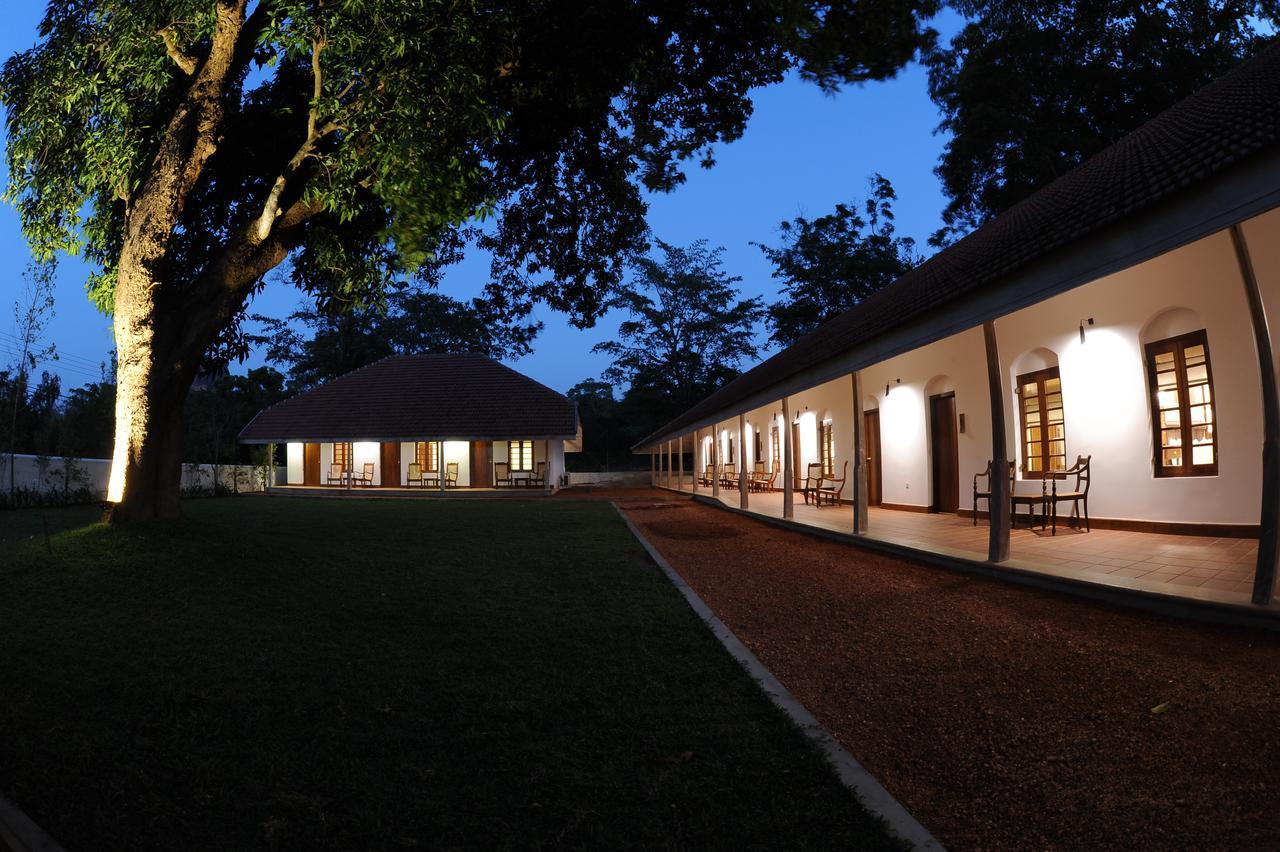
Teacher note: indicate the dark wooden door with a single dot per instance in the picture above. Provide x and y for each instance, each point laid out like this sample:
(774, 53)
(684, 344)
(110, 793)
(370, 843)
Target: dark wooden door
(946, 452)
(481, 464)
(310, 464)
(871, 435)
(389, 464)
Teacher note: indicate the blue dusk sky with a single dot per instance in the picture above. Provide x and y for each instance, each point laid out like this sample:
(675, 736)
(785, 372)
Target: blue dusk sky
(803, 152)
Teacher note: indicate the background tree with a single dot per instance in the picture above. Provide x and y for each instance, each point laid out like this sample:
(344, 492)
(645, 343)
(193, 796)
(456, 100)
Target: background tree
(412, 321)
(31, 314)
(829, 264)
(190, 146)
(687, 333)
(607, 436)
(1029, 89)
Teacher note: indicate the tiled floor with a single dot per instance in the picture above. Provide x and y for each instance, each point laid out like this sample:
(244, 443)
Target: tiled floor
(1219, 568)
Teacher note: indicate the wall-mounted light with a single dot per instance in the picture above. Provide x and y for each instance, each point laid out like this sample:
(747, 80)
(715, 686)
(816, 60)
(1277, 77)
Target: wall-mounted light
(1083, 323)
(888, 387)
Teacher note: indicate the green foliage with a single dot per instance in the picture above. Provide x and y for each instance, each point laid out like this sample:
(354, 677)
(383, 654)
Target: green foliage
(607, 432)
(687, 334)
(1029, 90)
(829, 264)
(220, 405)
(549, 116)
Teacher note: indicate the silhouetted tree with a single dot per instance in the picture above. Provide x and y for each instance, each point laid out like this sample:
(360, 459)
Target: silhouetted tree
(1029, 89)
(687, 333)
(829, 264)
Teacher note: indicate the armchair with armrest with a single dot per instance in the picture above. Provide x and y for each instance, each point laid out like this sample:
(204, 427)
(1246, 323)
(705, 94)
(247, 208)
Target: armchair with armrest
(831, 489)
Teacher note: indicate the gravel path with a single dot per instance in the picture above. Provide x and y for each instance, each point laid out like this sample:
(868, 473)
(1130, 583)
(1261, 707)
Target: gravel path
(1001, 717)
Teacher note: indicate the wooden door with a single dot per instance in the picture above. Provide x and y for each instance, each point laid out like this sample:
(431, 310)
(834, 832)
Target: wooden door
(389, 464)
(310, 464)
(871, 436)
(944, 443)
(481, 464)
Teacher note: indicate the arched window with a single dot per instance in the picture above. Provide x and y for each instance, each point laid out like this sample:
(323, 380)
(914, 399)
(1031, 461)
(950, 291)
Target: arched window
(827, 446)
(1041, 415)
(1182, 410)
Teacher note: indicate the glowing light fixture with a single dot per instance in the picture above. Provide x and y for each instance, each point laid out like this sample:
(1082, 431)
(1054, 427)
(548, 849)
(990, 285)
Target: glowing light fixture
(1083, 323)
(888, 387)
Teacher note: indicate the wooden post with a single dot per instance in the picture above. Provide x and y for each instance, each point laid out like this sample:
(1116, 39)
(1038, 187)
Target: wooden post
(1264, 574)
(742, 461)
(680, 464)
(998, 549)
(547, 477)
(697, 448)
(441, 468)
(859, 458)
(668, 464)
(788, 487)
(715, 461)
(653, 468)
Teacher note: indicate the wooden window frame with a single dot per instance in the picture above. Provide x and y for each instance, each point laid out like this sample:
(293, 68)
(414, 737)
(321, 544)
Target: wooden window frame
(1040, 377)
(516, 448)
(425, 454)
(775, 435)
(827, 447)
(347, 451)
(1177, 346)
(733, 456)
(757, 437)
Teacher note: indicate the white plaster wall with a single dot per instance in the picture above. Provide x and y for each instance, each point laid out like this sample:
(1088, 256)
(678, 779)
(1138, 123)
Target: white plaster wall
(293, 464)
(460, 452)
(1105, 391)
(365, 452)
(326, 459)
(834, 399)
(955, 363)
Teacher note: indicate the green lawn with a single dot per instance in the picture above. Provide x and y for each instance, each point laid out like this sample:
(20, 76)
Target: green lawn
(287, 673)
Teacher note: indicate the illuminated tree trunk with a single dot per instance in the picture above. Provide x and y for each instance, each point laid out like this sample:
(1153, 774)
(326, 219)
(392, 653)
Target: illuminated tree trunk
(152, 380)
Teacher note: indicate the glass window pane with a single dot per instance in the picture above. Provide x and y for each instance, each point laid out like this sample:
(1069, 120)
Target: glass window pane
(1056, 431)
(1033, 449)
(1033, 464)
(1052, 385)
(1167, 399)
(1033, 434)
(1164, 360)
(1171, 438)
(1193, 354)
(1053, 400)
(1057, 463)
(1032, 404)
(1172, 417)
(1167, 381)
(1172, 458)
(1055, 415)
(1030, 390)
(1057, 448)
(1201, 414)
(1197, 374)
(1202, 455)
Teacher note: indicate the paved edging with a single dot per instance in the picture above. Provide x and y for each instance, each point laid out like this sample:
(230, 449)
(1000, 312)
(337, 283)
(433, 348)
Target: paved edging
(19, 834)
(870, 792)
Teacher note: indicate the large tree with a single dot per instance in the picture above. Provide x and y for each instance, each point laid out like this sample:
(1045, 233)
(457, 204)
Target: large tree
(1028, 89)
(190, 146)
(687, 331)
(831, 263)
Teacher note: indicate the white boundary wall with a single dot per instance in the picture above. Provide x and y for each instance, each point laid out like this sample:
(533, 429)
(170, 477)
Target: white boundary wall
(49, 473)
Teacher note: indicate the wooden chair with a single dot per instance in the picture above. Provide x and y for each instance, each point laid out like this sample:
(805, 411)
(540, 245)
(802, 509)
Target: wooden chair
(831, 489)
(984, 493)
(708, 476)
(415, 475)
(1078, 495)
(337, 475)
(758, 477)
(539, 476)
(502, 475)
(812, 481)
(365, 477)
(728, 476)
(451, 475)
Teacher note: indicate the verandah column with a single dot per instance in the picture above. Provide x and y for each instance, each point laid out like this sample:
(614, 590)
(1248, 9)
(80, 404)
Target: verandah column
(788, 489)
(742, 461)
(998, 549)
(653, 468)
(442, 469)
(715, 461)
(1264, 574)
(859, 458)
(680, 464)
(697, 448)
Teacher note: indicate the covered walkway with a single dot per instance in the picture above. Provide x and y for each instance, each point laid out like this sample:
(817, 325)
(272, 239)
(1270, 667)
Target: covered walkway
(1202, 568)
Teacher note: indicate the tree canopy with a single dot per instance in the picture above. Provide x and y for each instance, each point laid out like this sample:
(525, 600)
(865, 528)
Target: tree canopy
(1030, 89)
(414, 320)
(187, 147)
(829, 264)
(687, 333)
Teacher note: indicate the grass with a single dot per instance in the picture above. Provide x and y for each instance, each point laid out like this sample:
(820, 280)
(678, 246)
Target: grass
(323, 674)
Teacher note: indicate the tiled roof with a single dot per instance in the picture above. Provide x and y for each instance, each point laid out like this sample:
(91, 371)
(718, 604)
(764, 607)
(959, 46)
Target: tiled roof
(1217, 127)
(461, 396)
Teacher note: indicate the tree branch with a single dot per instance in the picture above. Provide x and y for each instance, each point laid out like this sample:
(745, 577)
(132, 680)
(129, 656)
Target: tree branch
(183, 61)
